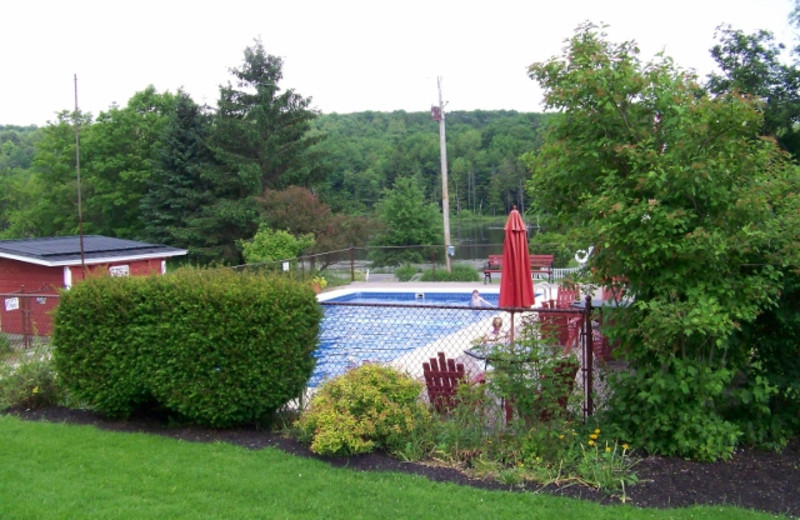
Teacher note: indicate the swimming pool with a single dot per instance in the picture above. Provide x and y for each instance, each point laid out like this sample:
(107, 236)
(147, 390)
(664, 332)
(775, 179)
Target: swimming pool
(382, 327)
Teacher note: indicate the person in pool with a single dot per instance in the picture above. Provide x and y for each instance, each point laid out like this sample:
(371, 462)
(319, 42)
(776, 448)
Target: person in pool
(478, 301)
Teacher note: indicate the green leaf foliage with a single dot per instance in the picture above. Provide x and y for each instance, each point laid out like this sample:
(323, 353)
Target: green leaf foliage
(258, 125)
(410, 222)
(216, 348)
(270, 245)
(458, 273)
(556, 244)
(692, 212)
(370, 407)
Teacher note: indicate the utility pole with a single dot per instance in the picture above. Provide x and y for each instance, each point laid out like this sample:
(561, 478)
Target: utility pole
(438, 115)
(78, 173)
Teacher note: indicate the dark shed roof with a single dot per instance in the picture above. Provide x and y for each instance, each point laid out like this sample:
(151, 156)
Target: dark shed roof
(97, 249)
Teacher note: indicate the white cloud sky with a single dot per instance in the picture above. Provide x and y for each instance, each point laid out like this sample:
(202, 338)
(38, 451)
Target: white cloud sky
(348, 55)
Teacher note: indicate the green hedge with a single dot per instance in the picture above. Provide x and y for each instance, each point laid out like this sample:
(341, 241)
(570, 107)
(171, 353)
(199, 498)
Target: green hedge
(458, 273)
(218, 347)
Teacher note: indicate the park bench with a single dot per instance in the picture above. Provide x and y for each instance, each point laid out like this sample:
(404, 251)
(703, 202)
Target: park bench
(540, 265)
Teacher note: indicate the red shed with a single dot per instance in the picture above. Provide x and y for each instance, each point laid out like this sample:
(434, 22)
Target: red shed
(32, 270)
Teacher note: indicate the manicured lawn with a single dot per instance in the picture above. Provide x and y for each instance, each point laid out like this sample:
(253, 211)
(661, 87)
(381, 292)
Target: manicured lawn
(52, 471)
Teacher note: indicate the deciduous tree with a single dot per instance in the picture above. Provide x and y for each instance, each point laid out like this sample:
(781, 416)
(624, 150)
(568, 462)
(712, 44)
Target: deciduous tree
(752, 64)
(690, 207)
(410, 222)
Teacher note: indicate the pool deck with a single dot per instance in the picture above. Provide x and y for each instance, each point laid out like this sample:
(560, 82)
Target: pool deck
(388, 283)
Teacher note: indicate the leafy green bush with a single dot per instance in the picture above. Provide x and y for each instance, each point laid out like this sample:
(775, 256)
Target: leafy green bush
(556, 244)
(5, 345)
(31, 383)
(773, 343)
(269, 245)
(367, 408)
(516, 424)
(705, 256)
(458, 273)
(674, 409)
(218, 348)
(405, 272)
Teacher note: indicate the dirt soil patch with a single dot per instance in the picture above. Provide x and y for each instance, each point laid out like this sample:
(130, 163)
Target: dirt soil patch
(763, 481)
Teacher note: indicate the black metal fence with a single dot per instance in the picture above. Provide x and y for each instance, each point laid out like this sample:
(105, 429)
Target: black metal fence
(357, 263)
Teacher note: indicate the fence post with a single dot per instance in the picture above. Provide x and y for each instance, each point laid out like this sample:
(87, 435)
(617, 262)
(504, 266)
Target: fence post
(24, 318)
(588, 359)
(352, 264)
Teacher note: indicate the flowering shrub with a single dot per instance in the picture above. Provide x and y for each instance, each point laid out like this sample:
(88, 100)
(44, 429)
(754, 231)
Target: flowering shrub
(319, 281)
(30, 383)
(367, 408)
(530, 435)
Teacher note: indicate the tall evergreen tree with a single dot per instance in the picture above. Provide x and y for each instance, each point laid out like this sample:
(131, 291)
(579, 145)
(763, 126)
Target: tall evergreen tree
(193, 200)
(258, 125)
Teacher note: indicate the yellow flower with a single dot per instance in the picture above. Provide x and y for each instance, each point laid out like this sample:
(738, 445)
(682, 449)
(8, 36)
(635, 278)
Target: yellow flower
(35, 389)
(608, 449)
(591, 443)
(624, 446)
(561, 436)
(597, 431)
(593, 436)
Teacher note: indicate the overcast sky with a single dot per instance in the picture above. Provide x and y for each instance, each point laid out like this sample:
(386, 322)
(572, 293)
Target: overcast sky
(347, 55)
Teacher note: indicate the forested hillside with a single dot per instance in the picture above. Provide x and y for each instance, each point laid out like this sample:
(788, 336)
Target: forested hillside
(367, 151)
(165, 169)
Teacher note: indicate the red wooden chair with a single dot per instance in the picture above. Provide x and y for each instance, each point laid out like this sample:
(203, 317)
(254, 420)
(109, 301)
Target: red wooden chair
(442, 377)
(561, 327)
(566, 297)
(601, 348)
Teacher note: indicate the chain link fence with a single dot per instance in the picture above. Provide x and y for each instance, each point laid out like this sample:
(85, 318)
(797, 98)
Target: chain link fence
(359, 264)
(25, 316)
(402, 335)
(407, 335)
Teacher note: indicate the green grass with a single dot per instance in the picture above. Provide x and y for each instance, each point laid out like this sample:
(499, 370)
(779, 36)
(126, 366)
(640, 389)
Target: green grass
(53, 471)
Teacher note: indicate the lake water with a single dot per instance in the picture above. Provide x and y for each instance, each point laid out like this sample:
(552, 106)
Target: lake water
(478, 239)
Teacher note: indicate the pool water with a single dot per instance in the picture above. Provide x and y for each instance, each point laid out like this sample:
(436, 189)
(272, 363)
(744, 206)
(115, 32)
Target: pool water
(384, 326)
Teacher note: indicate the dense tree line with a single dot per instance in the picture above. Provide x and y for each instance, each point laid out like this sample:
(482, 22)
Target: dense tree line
(367, 151)
(163, 168)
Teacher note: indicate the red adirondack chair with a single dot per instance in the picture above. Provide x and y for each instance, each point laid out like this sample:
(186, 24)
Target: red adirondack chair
(442, 377)
(565, 297)
(561, 327)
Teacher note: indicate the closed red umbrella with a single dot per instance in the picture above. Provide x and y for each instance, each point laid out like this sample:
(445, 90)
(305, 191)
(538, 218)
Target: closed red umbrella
(516, 285)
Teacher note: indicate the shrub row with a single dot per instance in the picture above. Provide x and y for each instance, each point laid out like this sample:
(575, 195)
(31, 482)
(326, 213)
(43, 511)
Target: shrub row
(218, 348)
